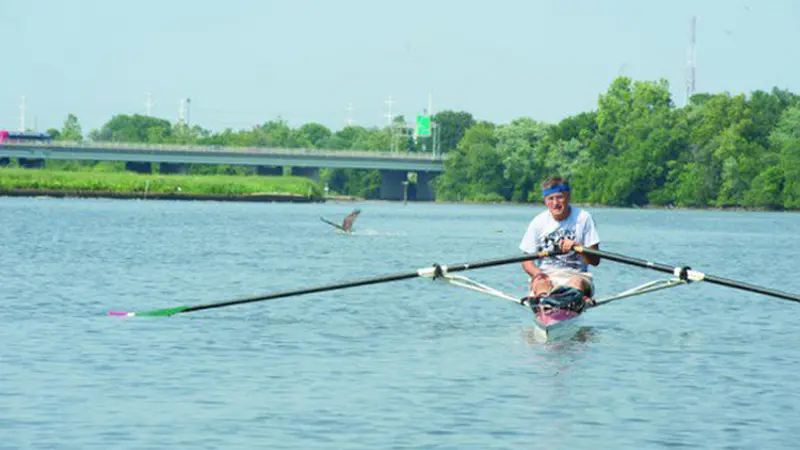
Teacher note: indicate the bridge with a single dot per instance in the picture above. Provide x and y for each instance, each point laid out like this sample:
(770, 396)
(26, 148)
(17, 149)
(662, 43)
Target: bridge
(393, 167)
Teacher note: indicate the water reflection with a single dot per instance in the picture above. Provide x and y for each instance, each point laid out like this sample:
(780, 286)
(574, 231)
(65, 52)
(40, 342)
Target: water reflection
(557, 358)
(582, 335)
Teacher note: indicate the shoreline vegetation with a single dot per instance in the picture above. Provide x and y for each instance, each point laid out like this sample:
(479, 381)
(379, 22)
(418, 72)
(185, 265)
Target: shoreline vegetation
(637, 148)
(100, 184)
(49, 183)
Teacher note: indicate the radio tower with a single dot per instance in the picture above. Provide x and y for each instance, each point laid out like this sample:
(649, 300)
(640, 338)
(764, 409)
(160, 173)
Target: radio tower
(690, 62)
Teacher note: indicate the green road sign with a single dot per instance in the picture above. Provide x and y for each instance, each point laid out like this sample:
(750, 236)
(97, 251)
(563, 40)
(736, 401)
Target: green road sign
(423, 125)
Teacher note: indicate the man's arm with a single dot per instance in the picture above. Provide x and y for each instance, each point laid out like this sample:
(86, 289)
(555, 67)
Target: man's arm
(530, 267)
(592, 259)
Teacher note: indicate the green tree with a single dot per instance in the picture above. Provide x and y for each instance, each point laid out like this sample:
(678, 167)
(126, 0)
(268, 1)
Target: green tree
(314, 133)
(786, 140)
(474, 169)
(451, 126)
(135, 128)
(522, 155)
(71, 131)
(637, 135)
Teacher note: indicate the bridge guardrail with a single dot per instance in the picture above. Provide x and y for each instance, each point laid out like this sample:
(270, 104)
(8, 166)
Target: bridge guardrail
(220, 149)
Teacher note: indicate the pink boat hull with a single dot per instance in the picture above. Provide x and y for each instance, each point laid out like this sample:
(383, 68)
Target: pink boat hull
(553, 316)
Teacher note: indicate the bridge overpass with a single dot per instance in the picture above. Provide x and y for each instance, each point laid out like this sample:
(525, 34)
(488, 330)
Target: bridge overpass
(393, 167)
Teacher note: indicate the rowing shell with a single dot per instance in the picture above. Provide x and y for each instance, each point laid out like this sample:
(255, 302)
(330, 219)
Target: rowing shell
(555, 324)
(558, 324)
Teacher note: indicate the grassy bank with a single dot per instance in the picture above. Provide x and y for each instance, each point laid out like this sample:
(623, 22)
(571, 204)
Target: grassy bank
(128, 182)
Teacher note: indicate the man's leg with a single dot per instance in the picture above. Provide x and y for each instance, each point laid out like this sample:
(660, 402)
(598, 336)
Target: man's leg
(541, 286)
(582, 284)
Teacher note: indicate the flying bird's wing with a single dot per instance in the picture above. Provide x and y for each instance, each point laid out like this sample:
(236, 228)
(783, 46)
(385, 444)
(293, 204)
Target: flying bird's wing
(336, 225)
(347, 224)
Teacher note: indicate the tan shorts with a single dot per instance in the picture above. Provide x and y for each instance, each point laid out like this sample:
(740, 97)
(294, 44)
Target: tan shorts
(561, 277)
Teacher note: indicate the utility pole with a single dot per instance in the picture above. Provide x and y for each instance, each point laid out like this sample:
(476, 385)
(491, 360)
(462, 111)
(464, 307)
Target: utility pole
(188, 105)
(181, 112)
(148, 105)
(389, 116)
(22, 115)
(434, 127)
(690, 62)
(392, 128)
(349, 119)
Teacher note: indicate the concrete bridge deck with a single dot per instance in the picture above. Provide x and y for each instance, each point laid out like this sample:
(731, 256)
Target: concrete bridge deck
(305, 162)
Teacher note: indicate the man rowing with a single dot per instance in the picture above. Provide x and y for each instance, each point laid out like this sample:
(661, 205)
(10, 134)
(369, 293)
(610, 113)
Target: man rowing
(560, 228)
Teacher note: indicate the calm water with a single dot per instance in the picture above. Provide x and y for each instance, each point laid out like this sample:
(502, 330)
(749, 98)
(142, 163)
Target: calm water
(408, 364)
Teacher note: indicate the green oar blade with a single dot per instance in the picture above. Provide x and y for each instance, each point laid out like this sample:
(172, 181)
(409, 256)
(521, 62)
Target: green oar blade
(154, 313)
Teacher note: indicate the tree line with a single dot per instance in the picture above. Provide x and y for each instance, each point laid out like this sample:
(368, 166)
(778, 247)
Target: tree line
(636, 148)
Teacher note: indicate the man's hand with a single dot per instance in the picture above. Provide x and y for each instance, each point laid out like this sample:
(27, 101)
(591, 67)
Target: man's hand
(566, 245)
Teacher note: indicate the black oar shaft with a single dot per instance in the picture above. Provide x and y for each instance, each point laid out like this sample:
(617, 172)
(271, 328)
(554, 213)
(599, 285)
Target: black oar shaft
(752, 288)
(368, 281)
(704, 277)
(311, 290)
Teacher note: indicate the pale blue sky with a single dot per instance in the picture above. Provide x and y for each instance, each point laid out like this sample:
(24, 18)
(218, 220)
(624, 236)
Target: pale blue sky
(243, 62)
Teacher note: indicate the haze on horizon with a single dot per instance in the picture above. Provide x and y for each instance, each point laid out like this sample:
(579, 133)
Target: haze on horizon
(245, 62)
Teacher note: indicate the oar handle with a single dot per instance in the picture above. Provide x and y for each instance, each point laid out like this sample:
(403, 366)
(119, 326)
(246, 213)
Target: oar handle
(687, 274)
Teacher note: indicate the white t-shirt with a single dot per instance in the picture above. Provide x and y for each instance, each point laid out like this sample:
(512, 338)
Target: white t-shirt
(544, 232)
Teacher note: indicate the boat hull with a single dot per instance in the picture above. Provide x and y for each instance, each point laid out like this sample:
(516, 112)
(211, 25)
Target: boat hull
(555, 324)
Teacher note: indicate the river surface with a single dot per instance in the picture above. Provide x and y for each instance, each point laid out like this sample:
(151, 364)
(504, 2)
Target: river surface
(405, 364)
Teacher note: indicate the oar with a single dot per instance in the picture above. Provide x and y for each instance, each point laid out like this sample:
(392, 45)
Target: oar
(687, 274)
(433, 272)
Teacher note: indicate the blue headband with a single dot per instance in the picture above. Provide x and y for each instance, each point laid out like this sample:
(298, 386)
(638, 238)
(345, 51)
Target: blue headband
(554, 189)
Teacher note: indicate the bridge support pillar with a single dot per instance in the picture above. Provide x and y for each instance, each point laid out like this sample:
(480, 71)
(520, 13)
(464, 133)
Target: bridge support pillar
(173, 168)
(308, 172)
(425, 191)
(392, 187)
(139, 167)
(31, 163)
(274, 171)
